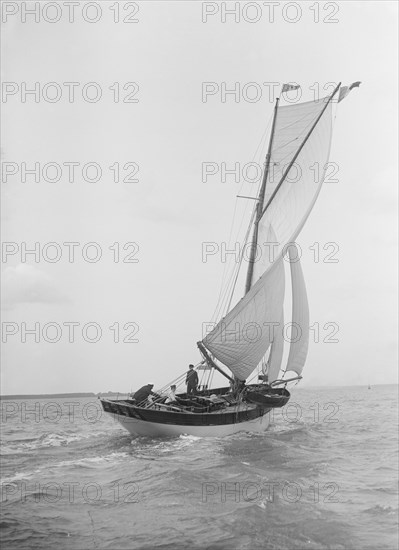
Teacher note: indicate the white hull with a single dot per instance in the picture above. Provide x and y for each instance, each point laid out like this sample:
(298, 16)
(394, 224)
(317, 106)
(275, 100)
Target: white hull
(154, 429)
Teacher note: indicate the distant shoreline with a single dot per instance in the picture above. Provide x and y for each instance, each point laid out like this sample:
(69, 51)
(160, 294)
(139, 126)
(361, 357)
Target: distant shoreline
(59, 395)
(109, 393)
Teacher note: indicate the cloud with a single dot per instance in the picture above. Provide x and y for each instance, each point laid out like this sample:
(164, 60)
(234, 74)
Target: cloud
(29, 284)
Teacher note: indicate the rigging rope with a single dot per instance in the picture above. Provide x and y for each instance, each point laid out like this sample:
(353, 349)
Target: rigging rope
(227, 288)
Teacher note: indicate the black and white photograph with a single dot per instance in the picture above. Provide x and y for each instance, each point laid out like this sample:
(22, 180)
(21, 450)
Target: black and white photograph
(199, 275)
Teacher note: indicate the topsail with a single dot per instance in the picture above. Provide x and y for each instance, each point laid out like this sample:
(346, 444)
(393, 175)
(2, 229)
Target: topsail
(289, 201)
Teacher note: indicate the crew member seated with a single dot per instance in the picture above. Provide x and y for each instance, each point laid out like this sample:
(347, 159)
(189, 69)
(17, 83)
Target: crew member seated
(141, 396)
(171, 394)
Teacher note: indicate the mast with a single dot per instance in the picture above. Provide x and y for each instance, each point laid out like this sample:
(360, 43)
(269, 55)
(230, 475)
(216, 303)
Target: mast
(259, 206)
(299, 150)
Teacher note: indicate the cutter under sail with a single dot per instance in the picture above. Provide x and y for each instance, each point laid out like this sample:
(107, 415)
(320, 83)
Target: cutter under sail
(295, 167)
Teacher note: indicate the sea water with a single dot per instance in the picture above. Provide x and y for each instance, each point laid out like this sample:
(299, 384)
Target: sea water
(324, 476)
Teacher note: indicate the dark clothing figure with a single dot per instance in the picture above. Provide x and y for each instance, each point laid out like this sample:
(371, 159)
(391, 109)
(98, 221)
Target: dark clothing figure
(143, 393)
(238, 386)
(191, 381)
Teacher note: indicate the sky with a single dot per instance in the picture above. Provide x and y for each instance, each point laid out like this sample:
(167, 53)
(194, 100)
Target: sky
(125, 304)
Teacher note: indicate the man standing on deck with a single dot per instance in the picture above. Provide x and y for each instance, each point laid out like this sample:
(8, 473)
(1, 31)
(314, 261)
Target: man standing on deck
(191, 380)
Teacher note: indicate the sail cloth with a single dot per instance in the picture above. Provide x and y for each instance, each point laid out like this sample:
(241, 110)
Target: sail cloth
(242, 337)
(294, 200)
(300, 315)
(276, 353)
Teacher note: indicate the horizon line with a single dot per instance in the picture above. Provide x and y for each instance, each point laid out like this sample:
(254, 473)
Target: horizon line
(126, 392)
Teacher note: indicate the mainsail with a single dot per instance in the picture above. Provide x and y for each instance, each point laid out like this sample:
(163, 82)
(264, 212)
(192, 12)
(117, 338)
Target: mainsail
(300, 315)
(241, 339)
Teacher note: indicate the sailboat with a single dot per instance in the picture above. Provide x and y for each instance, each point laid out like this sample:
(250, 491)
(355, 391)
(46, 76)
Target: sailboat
(250, 334)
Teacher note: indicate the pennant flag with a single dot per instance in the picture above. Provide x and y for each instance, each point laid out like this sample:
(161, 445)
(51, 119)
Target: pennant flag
(289, 87)
(344, 91)
(355, 85)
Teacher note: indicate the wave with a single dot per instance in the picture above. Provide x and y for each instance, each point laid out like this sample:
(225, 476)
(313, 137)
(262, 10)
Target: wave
(88, 462)
(381, 510)
(93, 462)
(49, 439)
(165, 445)
(19, 476)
